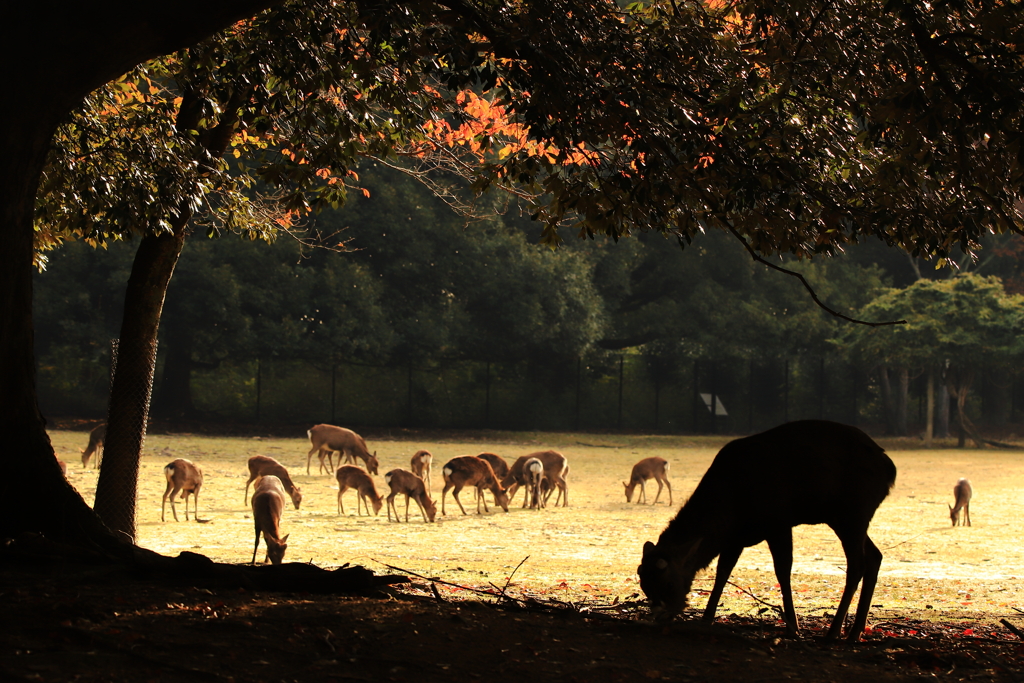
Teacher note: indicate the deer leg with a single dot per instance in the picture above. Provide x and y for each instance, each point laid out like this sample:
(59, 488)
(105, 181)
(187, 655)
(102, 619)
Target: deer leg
(341, 505)
(726, 563)
(480, 497)
(967, 513)
(658, 495)
(309, 458)
(872, 563)
(854, 546)
(781, 547)
(455, 495)
(669, 487)
(257, 546)
(173, 510)
(444, 491)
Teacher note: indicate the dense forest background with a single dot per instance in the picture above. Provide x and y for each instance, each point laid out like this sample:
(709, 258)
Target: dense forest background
(429, 319)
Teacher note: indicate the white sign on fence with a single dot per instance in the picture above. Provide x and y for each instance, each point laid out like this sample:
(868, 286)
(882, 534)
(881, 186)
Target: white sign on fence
(719, 406)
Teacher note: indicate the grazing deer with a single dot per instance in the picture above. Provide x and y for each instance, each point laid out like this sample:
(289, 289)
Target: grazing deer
(420, 466)
(757, 489)
(97, 437)
(648, 468)
(497, 464)
(469, 470)
(962, 493)
(267, 508)
(354, 477)
(404, 481)
(327, 438)
(556, 469)
(533, 473)
(185, 476)
(262, 465)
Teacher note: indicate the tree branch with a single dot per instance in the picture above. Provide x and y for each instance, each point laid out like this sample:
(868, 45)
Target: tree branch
(757, 257)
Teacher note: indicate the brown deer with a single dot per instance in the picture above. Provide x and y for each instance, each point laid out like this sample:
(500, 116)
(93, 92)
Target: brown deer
(962, 493)
(327, 438)
(420, 466)
(757, 489)
(496, 462)
(97, 436)
(355, 477)
(556, 469)
(185, 476)
(469, 470)
(267, 508)
(404, 481)
(648, 468)
(533, 474)
(262, 465)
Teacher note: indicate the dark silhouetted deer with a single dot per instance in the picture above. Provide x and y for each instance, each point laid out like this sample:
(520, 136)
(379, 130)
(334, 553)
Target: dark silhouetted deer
(96, 438)
(757, 489)
(648, 468)
(962, 493)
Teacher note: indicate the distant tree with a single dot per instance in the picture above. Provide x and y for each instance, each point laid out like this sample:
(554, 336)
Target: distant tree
(955, 326)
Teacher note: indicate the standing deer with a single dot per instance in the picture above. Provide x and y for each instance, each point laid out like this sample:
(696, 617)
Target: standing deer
(648, 468)
(327, 438)
(267, 508)
(757, 489)
(404, 481)
(533, 473)
(185, 476)
(469, 470)
(556, 469)
(420, 466)
(96, 438)
(354, 477)
(962, 493)
(262, 465)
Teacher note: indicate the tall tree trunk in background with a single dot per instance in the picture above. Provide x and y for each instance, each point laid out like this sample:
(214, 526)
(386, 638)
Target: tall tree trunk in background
(902, 395)
(132, 388)
(942, 406)
(174, 392)
(887, 400)
(959, 382)
(929, 410)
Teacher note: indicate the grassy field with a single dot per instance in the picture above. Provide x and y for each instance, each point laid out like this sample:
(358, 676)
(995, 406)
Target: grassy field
(591, 549)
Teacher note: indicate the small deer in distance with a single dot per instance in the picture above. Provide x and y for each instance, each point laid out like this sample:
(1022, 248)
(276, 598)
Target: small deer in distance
(262, 465)
(648, 468)
(420, 466)
(184, 476)
(404, 481)
(469, 470)
(325, 439)
(97, 437)
(355, 477)
(962, 493)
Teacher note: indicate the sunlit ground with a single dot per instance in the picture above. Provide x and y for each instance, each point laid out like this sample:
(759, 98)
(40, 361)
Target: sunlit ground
(591, 549)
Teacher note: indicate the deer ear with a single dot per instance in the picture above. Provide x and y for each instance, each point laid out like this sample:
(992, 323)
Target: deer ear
(285, 539)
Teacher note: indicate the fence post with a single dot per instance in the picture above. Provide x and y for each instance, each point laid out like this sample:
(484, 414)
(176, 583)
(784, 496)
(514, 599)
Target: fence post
(785, 394)
(696, 395)
(619, 421)
(334, 384)
(487, 397)
(657, 397)
(579, 381)
(259, 388)
(408, 406)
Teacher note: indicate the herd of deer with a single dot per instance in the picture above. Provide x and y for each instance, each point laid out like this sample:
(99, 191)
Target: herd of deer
(757, 489)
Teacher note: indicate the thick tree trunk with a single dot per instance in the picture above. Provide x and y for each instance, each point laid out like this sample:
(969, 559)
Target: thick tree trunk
(888, 410)
(132, 387)
(54, 53)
